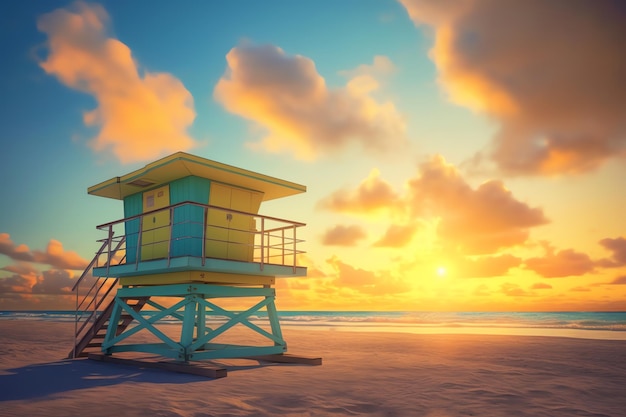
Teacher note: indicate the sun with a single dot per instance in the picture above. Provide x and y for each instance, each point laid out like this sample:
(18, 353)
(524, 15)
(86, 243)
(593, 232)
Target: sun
(441, 271)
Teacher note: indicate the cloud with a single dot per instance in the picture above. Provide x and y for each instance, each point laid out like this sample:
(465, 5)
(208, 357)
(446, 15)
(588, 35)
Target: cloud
(485, 266)
(482, 291)
(618, 247)
(551, 73)
(514, 290)
(54, 282)
(21, 268)
(57, 257)
(341, 235)
(47, 290)
(51, 282)
(478, 221)
(619, 281)
(17, 284)
(285, 95)
(381, 65)
(54, 255)
(15, 252)
(397, 236)
(141, 115)
(371, 194)
(563, 263)
(541, 286)
(366, 282)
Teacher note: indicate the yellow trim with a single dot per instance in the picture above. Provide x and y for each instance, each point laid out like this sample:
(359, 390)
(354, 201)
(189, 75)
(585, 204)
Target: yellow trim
(181, 164)
(183, 277)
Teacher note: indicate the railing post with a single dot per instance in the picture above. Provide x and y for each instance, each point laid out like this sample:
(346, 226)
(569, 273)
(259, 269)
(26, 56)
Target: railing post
(294, 248)
(282, 245)
(109, 245)
(262, 242)
(204, 236)
(139, 233)
(169, 244)
(75, 326)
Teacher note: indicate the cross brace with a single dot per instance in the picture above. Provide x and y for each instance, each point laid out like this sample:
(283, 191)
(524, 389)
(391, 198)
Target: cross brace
(196, 339)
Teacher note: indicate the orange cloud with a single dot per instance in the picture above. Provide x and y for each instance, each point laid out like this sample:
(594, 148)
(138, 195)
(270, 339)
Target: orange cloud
(20, 268)
(618, 247)
(17, 284)
(140, 115)
(541, 286)
(514, 290)
(54, 255)
(15, 252)
(343, 235)
(57, 257)
(366, 282)
(478, 221)
(551, 73)
(288, 97)
(51, 282)
(371, 194)
(54, 282)
(619, 281)
(485, 266)
(397, 236)
(475, 221)
(563, 263)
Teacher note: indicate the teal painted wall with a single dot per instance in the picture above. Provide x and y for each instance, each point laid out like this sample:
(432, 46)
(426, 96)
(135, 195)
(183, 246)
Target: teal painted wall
(133, 205)
(188, 220)
(188, 224)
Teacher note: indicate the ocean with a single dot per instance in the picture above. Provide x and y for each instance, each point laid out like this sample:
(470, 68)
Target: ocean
(588, 325)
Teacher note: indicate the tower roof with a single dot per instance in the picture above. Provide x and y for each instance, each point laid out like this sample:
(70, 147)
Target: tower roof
(180, 165)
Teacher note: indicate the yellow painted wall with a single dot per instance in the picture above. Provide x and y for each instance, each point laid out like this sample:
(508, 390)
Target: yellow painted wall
(229, 234)
(156, 228)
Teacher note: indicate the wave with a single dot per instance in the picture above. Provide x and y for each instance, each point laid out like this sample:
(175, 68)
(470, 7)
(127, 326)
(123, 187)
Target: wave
(576, 321)
(613, 321)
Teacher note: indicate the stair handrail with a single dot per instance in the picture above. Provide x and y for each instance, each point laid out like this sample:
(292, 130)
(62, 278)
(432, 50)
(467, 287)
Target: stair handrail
(98, 285)
(91, 264)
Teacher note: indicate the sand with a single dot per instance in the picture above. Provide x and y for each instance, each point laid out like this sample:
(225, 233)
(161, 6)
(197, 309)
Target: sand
(372, 374)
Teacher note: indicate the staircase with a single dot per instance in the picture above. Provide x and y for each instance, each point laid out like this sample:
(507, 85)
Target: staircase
(91, 340)
(94, 303)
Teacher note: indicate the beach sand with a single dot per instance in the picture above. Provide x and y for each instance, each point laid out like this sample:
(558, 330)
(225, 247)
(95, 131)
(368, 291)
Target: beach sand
(374, 374)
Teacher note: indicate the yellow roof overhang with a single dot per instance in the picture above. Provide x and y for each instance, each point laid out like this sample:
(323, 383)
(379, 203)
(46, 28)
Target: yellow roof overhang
(180, 165)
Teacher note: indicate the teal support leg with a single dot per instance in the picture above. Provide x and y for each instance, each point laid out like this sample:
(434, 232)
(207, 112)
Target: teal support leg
(201, 321)
(272, 315)
(189, 323)
(113, 323)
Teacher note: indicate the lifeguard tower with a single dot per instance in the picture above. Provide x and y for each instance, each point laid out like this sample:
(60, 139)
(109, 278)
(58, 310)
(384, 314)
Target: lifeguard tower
(190, 240)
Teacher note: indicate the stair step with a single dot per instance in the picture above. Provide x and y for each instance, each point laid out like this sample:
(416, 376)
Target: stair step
(94, 341)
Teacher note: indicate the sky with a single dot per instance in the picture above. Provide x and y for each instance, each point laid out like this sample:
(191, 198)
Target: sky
(458, 155)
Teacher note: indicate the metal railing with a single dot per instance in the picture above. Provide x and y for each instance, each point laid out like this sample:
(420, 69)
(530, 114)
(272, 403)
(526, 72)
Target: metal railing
(203, 231)
(91, 294)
